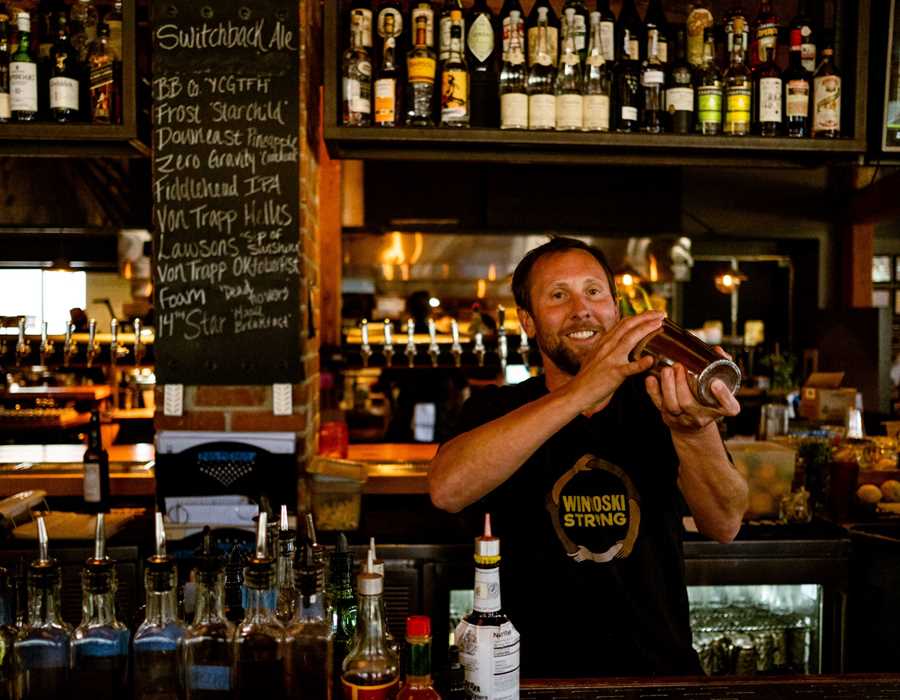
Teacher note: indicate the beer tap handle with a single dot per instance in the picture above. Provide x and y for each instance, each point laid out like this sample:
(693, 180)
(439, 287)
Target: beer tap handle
(92, 346)
(478, 349)
(411, 342)
(138, 343)
(455, 348)
(365, 349)
(70, 347)
(433, 349)
(524, 348)
(388, 342)
(46, 348)
(116, 350)
(501, 338)
(23, 349)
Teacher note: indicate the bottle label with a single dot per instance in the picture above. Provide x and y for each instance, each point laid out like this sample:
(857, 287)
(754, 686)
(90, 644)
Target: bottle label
(357, 103)
(737, 107)
(92, 482)
(652, 77)
(680, 99)
(481, 38)
(596, 112)
(634, 49)
(662, 50)
(487, 590)
(709, 104)
(699, 19)
(520, 28)
(454, 95)
(428, 14)
(63, 93)
(808, 51)
(552, 45)
(514, 110)
(446, 24)
(365, 25)
(608, 39)
(770, 100)
(4, 106)
(385, 102)
(421, 69)
(827, 100)
(382, 22)
(766, 37)
(797, 98)
(385, 691)
(490, 657)
(629, 113)
(569, 115)
(209, 678)
(541, 111)
(23, 86)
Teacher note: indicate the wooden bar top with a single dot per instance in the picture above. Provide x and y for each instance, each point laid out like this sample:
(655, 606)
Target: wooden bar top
(94, 392)
(395, 468)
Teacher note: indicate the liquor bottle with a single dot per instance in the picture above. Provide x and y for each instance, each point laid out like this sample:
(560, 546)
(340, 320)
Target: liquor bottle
(259, 640)
(481, 59)
(487, 640)
(319, 556)
(387, 81)
(709, 89)
(655, 24)
(8, 633)
(23, 99)
(207, 644)
(309, 634)
(234, 585)
(575, 15)
(43, 645)
(370, 669)
(456, 675)
(357, 77)
(680, 88)
(43, 37)
(768, 91)
(421, 67)
(422, 8)
(607, 32)
(450, 6)
(514, 81)
(569, 88)
(65, 72)
(736, 23)
(803, 23)
(286, 600)
(653, 78)
(377, 567)
(541, 79)
(390, 30)
(627, 87)
(510, 27)
(113, 20)
(5, 114)
(628, 33)
(597, 79)
(361, 13)
(157, 640)
(84, 26)
(105, 91)
(96, 469)
(765, 33)
(738, 92)
(542, 8)
(341, 604)
(797, 84)
(827, 97)
(699, 17)
(100, 642)
(20, 590)
(418, 685)
(455, 78)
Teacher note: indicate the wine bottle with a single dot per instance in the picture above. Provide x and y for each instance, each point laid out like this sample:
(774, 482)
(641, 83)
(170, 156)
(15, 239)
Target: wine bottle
(797, 84)
(568, 89)
(653, 78)
(513, 81)
(767, 91)
(23, 88)
(95, 483)
(65, 74)
(709, 90)
(597, 80)
(539, 9)
(827, 97)
(680, 88)
(481, 59)
(541, 79)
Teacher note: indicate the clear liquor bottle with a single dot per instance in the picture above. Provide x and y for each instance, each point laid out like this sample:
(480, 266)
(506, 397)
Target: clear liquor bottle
(84, 26)
(482, 61)
(768, 93)
(513, 82)
(23, 82)
(607, 32)
(418, 685)
(541, 80)
(597, 79)
(100, 642)
(5, 114)
(510, 27)
(286, 601)
(797, 91)
(43, 645)
(8, 675)
(653, 78)
(627, 86)
(738, 92)
(542, 8)
(699, 17)
(709, 90)
(629, 29)
(421, 67)
(826, 122)
(157, 641)
(680, 89)
(386, 87)
(357, 77)
(259, 640)
(455, 106)
(341, 604)
(656, 28)
(65, 74)
(569, 88)
(576, 20)
(377, 567)
(208, 642)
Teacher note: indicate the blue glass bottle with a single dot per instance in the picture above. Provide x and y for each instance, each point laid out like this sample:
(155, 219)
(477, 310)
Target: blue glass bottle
(100, 642)
(157, 641)
(7, 637)
(43, 644)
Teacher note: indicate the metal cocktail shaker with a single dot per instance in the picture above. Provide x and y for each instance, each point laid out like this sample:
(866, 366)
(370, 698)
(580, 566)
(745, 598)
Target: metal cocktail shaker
(672, 344)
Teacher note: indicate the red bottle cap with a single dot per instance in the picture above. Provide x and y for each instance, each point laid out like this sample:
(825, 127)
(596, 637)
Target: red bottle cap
(418, 626)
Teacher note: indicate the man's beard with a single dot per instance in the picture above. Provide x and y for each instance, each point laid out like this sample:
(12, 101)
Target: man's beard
(561, 355)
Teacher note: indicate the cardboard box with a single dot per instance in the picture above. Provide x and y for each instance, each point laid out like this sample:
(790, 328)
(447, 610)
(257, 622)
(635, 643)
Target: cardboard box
(823, 398)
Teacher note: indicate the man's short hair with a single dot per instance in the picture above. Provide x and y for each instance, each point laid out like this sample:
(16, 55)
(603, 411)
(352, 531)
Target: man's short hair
(521, 281)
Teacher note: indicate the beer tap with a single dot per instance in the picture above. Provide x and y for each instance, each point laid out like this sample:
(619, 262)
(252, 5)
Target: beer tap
(23, 348)
(116, 351)
(524, 347)
(138, 343)
(433, 349)
(70, 347)
(411, 342)
(46, 347)
(501, 338)
(478, 349)
(93, 347)
(455, 348)
(388, 342)
(365, 349)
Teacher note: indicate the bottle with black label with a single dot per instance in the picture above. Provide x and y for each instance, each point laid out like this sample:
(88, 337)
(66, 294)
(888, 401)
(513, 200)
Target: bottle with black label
(23, 83)
(629, 31)
(827, 97)
(680, 89)
(797, 92)
(709, 90)
(65, 74)
(481, 57)
(627, 86)
(738, 92)
(446, 23)
(765, 34)
(542, 8)
(104, 90)
(96, 469)
(510, 26)
(575, 13)
(5, 114)
(656, 26)
(767, 90)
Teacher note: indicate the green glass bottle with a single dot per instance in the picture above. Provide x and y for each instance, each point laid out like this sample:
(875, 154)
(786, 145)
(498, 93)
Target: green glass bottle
(340, 601)
(23, 74)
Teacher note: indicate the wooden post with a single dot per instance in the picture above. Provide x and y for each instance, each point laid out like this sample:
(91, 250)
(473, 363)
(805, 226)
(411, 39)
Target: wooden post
(329, 245)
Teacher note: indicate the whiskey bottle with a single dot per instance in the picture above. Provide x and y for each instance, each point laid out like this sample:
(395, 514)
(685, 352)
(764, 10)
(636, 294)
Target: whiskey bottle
(827, 98)
(629, 29)
(488, 642)
(65, 73)
(738, 92)
(104, 88)
(100, 642)
(513, 81)
(8, 675)
(481, 59)
(627, 86)
(680, 89)
(5, 114)
(157, 640)
(418, 685)
(569, 88)
(541, 79)
(797, 83)
(259, 640)
(309, 635)
(709, 90)
(341, 604)
(450, 6)
(387, 80)
(85, 26)
(455, 78)
(803, 23)
(96, 469)
(361, 13)
(393, 30)
(510, 27)
(43, 645)
(656, 29)
(576, 20)
(370, 669)
(208, 641)
(542, 9)
(765, 34)
(23, 99)
(356, 74)
(653, 78)
(699, 17)
(421, 67)
(597, 79)
(768, 91)
(286, 600)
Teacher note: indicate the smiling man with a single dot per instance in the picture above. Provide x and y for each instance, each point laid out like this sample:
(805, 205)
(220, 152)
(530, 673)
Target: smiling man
(583, 470)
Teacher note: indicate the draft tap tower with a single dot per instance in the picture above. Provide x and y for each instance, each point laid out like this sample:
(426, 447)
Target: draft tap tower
(46, 346)
(70, 347)
(434, 349)
(23, 347)
(455, 348)
(501, 339)
(388, 342)
(93, 347)
(365, 349)
(411, 342)
(116, 351)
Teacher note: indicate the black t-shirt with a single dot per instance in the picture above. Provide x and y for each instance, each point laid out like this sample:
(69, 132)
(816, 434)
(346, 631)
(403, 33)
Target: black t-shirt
(592, 573)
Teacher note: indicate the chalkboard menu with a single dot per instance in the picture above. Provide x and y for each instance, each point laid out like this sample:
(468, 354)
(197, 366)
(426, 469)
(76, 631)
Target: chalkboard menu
(226, 191)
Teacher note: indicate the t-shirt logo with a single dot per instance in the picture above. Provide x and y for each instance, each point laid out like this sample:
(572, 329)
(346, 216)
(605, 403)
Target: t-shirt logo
(595, 511)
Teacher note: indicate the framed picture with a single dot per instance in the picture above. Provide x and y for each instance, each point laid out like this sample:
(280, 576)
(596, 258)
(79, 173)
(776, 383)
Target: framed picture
(897, 301)
(881, 268)
(881, 298)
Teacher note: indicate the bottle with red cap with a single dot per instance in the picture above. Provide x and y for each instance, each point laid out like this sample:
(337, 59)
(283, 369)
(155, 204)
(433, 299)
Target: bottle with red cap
(418, 685)
(488, 643)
